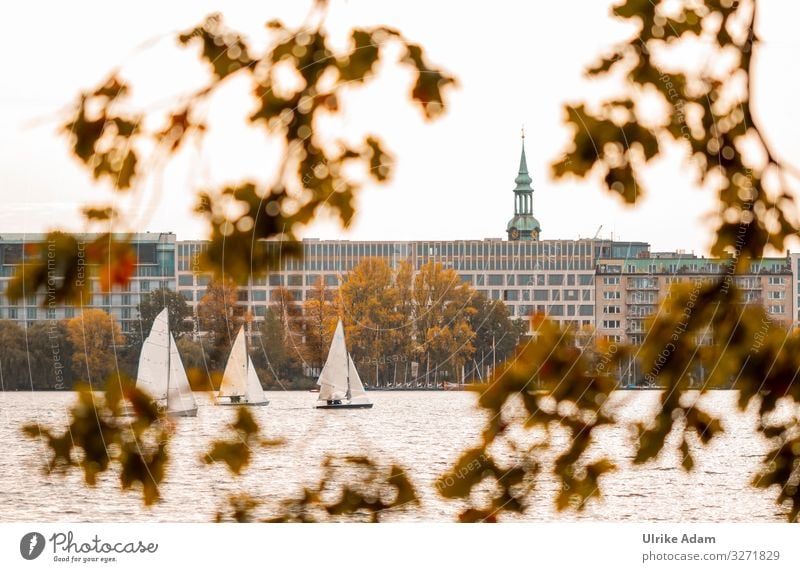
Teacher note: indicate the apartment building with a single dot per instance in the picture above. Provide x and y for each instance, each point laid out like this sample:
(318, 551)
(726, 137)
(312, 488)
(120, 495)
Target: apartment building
(629, 291)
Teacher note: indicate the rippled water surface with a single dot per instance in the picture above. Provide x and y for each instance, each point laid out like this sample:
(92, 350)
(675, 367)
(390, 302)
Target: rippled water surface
(423, 431)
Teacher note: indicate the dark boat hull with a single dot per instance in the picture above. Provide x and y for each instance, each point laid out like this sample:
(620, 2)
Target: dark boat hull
(128, 411)
(346, 406)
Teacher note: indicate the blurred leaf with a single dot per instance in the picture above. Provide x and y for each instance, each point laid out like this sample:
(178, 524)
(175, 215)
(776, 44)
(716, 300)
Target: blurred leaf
(101, 438)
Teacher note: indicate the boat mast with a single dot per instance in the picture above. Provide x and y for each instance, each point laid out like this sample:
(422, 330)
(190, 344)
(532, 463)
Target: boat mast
(169, 357)
(348, 395)
(246, 362)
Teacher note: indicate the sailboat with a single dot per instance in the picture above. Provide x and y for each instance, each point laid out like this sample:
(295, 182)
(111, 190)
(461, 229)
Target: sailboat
(161, 373)
(240, 382)
(340, 386)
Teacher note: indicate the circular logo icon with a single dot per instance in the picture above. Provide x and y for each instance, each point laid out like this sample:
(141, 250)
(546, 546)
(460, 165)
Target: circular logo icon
(31, 545)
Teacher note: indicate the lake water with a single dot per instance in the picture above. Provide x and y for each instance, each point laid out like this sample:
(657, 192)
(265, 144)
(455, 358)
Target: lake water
(423, 431)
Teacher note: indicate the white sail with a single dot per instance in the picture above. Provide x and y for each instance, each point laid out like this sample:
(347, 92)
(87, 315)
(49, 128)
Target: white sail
(234, 380)
(340, 384)
(153, 361)
(180, 398)
(255, 393)
(333, 378)
(356, 387)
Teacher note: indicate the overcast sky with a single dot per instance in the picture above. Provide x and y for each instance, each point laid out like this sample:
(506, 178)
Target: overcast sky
(516, 63)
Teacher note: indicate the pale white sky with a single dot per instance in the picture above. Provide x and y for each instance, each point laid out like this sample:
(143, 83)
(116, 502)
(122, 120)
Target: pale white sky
(516, 63)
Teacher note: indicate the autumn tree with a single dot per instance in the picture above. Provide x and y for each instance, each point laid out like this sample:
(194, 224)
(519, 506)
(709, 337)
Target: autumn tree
(49, 355)
(219, 318)
(14, 357)
(290, 311)
(377, 332)
(273, 352)
(192, 353)
(95, 337)
(151, 305)
(196, 362)
(443, 305)
(496, 334)
(320, 314)
(404, 285)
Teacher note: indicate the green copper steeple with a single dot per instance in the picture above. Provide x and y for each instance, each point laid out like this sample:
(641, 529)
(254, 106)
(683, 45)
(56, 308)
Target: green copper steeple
(523, 226)
(523, 180)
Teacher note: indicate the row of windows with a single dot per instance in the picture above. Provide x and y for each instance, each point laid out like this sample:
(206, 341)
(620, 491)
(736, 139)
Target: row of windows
(642, 282)
(689, 267)
(524, 310)
(642, 298)
(511, 263)
(450, 249)
(528, 279)
(468, 263)
(281, 279)
(189, 255)
(68, 312)
(297, 280)
(12, 254)
(494, 294)
(544, 295)
(356, 250)
(113, 299)
(749, 282)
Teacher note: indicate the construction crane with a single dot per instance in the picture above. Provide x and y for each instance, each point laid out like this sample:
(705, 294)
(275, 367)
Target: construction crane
(599, 228)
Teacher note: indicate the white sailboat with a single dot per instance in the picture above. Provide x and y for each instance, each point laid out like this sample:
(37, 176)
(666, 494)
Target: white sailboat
(340, 386)
(240, 383)
(161, 373)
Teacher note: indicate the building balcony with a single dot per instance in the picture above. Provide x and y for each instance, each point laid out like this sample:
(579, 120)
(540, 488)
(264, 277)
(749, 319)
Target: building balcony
(633, 301)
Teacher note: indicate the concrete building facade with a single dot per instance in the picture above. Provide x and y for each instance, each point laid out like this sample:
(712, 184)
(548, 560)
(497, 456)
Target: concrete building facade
(555, 277)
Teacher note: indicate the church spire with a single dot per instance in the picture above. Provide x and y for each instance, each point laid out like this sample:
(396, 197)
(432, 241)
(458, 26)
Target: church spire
(523, 226)
(523, 180)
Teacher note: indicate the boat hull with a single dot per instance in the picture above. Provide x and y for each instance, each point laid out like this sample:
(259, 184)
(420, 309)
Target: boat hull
(344, 406)
(130, 412)
(228, 403)
(183, 413)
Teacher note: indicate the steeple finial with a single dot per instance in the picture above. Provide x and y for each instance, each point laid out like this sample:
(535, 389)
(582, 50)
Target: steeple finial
(523, 134)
